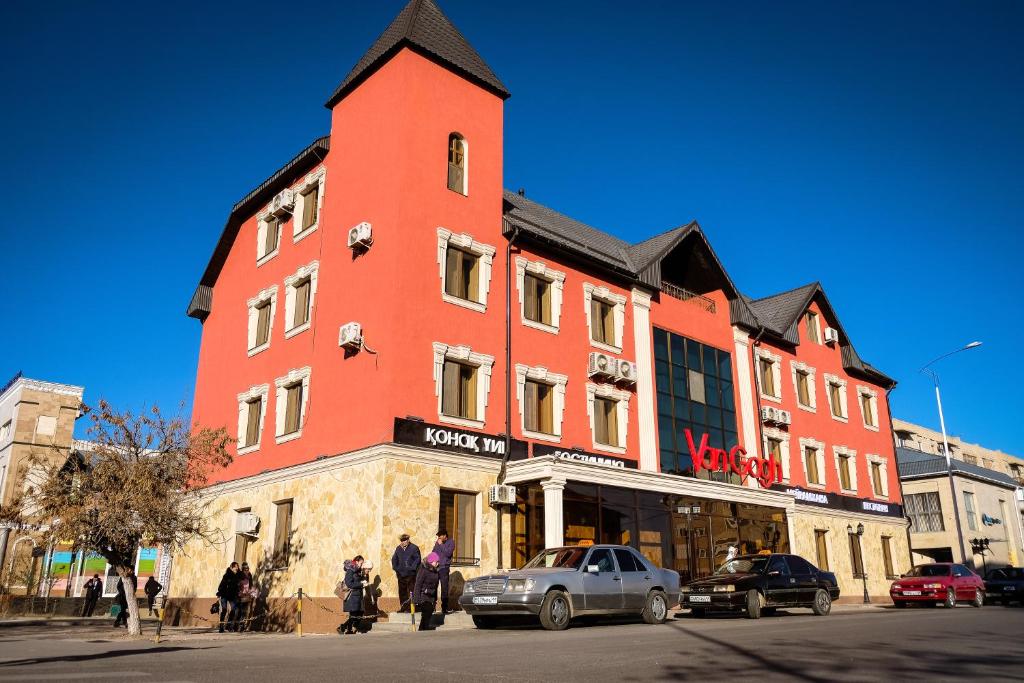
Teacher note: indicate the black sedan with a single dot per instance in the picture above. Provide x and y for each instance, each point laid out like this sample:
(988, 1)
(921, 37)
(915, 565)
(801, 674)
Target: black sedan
(1005, 585)
(758, 584)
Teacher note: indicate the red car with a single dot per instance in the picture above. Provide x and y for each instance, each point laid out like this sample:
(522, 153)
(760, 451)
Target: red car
(942, 582)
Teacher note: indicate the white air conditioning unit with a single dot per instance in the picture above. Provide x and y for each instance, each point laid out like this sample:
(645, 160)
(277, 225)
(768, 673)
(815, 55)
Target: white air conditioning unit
(283, 202)
(600, 365)
(247, 524)
(769, 414)
(350, 336)
(784, 417)
(831, 335)
(499, 494)
(361, 236)
(625, 371)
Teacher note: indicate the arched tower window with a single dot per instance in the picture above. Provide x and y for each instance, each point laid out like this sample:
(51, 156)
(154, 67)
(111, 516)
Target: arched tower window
(457, 163)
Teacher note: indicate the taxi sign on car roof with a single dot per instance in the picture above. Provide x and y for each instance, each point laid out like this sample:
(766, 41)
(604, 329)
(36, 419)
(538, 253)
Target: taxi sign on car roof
(585, 543)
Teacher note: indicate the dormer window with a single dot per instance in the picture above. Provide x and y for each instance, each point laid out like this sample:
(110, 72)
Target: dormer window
(457, 163)
(813, 323)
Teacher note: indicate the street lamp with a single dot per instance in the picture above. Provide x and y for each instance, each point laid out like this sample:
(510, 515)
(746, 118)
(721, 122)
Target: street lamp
(945, 442)
(860, 553)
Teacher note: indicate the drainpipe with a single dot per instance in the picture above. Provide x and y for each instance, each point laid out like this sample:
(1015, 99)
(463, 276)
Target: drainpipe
(899, 479)
(508, 384)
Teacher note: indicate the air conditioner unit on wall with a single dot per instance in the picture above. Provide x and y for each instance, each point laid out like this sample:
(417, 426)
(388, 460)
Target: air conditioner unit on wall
(350, 336)
(625, 371)
(361, 236)
(831, 335)
(500, 494)
(283, 202)
(784, 417)
(769, 414)
(247, 524)
(600, 365)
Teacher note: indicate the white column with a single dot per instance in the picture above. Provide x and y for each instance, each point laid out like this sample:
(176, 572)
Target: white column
(645, 381)
(553, 529)
(748, 418)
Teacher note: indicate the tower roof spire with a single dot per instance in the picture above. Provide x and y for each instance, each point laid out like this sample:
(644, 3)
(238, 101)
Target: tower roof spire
(423, 27)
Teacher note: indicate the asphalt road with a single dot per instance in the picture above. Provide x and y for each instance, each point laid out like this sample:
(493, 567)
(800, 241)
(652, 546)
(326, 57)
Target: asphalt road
(872, 644)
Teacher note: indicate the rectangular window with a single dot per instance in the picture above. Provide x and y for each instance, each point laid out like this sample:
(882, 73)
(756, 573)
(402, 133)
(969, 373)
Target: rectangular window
(845, 480)
(538, 405)
(767, 377)
(254, 410)
(293, 409)
(887, 557)
(803, 388)
(775, 451)
(310, 208)
(263, 323)
(282, 533)
(822, 547)
(270, 239)
(813, 327)
(241, 548)
(925, 512)
(537, 299)
(602, 322)
(970, 511)
(462, 275)
(458, 518)
(855, 557)
(301, 314)
(606, 422)
(835, 399)
(458, 390)
(5, 431)
(876, 479)
(811, 465)
(866, 405)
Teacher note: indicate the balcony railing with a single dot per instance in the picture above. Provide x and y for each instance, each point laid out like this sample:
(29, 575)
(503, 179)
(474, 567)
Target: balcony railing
(677, 292)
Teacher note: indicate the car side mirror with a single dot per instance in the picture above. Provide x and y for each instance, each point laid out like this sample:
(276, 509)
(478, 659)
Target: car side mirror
(774, 572)
(593, 569)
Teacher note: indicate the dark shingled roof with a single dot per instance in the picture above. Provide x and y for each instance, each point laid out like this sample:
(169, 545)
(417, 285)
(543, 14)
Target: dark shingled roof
(423, 27)
(917, 465)
(780, 312)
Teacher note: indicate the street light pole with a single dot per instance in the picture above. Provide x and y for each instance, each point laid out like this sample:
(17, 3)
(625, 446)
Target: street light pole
(945, 444)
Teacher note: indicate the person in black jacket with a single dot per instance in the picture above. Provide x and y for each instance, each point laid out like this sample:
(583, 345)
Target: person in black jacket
(151, 589)
(227, 591)
(354, 582)
(122, 597)
(93, 591)
(405, 561)
(424, 593)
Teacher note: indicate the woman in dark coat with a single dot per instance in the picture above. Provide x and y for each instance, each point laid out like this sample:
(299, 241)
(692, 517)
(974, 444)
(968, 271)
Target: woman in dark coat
(354, 582)
(424, 592)
(227, 591)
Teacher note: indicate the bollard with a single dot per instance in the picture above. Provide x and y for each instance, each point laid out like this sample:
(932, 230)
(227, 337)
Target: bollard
(298, 615)
(160, 616)
(412, 613)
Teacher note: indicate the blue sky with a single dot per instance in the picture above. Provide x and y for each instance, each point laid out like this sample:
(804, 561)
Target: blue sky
(873, 146)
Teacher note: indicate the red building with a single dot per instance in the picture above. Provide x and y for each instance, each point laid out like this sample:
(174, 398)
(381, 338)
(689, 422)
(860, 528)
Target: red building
(369, 307)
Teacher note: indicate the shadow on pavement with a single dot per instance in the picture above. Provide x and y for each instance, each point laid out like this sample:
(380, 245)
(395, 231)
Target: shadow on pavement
(97, 655)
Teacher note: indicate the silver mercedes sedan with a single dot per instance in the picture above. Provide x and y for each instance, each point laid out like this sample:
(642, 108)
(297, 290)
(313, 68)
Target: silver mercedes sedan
(562, 583)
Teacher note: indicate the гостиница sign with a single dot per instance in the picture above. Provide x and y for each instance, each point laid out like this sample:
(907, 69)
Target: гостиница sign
(439, 437)
(583, 456)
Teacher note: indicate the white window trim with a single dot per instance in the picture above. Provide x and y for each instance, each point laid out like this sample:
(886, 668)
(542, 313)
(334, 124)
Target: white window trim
(783, 439)
(557, 383)
(262, 223)
(483, 364)
(841, 383)
(557, 281)
(618, 304)
(838, 451)
(315, 177)
(884, 494)
(622, 406)
(872, 406)
(484, 252)
(270, 293)
(819, 453)
(776, 362)
(281, 403)
(799, 366)
(262, 392)
(311, 271)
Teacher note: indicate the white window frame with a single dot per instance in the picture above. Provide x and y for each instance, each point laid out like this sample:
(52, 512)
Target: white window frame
(465, 355)
(622, 416)
(776, 361)
(843, 451)
(293, 377)
(618, 304)
(797, 367)
(783, 439)
(264, 295)
(543, 376)
(262, 224)
(261, 392)
(311, 271)
(315, 177)
(484, 252)
(465, 165)
(841, 383)
(871, 458)
(819, 454)
(872, 406)
(554, 278)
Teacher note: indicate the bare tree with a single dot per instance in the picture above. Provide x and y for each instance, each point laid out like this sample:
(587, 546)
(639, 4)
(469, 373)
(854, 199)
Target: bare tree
(136, 483)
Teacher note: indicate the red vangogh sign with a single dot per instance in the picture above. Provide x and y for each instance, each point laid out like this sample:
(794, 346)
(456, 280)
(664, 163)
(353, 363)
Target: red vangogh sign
(735, 460)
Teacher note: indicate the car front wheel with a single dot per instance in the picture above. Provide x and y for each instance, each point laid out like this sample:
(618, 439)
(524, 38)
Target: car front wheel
(979, 598)
(950, 601)
(822, 603)
(656, 609)
(555, 612)
(754, 604)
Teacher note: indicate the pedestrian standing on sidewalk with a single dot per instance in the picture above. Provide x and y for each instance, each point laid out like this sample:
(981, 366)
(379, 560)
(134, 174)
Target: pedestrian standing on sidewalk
(93, 591)
(151, 589)
(122, 597)
(406, 562)
(353, 604)
(227, 591)
(424, 591)
(247, 593)
(444, 548)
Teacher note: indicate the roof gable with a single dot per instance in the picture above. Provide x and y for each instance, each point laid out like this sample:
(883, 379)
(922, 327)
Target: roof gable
(423, 27)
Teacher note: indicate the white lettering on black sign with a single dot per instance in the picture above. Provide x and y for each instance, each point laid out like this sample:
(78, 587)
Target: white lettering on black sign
(809, 496)
(875, 507)
(593, 459)
(471, 442)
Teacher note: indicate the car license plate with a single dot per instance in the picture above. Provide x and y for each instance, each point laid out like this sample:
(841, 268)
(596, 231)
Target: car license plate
(485, 600)
(911, 592)
(1008, 588)
(700, 598)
